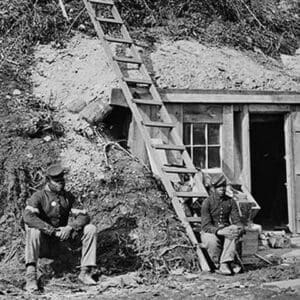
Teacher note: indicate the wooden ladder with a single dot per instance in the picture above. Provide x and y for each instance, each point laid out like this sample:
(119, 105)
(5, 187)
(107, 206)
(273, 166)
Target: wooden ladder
(113, 33)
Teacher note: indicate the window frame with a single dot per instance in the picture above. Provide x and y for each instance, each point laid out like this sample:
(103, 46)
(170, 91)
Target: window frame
(191, 146)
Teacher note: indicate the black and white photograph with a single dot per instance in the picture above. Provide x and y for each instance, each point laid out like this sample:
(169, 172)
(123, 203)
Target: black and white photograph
(150, 149)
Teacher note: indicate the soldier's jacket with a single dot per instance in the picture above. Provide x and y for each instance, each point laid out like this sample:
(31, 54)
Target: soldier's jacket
(47, 211)
(217, 213)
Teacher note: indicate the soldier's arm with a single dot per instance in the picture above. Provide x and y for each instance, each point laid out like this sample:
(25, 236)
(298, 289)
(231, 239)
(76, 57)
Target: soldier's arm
(80, 216)
(235, 215)
(32, 212)
(206, 220)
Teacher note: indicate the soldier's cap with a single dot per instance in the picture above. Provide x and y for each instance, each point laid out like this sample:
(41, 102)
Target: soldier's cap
(218, 180)
(55, 171)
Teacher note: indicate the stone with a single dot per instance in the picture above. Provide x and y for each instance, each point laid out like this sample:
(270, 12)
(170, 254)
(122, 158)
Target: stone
(76, 106)
(17, 92)
(96, 112)
(47, 138)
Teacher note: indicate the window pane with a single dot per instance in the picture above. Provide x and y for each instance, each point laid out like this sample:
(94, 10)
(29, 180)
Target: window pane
(213, 134)
(186, 133)
(199, 157)
(214, 160)
(188, 149)
(199, 134)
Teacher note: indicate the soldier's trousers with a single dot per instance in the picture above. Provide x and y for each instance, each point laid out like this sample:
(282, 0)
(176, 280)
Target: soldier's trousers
(38, 244)
(220, 250)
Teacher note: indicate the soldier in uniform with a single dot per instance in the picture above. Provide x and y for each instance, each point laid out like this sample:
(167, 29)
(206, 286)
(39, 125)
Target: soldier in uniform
(221, 226)
(47, 225)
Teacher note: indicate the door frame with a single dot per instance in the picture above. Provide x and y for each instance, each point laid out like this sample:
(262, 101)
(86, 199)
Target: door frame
(289, 154)
(290, 172)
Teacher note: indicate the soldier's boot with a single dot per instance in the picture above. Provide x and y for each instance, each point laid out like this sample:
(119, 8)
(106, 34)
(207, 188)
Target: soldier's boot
(31, 279)
(224, 269)
(85, 276)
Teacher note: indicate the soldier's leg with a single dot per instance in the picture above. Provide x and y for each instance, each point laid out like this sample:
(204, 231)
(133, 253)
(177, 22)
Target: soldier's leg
(32, 251)
(213, 245)
(88, 255)
(32, 245)
(229, 250)
(89, 244)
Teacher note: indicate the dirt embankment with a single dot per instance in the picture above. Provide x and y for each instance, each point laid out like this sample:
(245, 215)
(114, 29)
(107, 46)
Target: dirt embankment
(190, 65)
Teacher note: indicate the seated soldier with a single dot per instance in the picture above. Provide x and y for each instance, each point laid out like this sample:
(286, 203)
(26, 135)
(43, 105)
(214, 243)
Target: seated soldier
(47, 227)
(220, 226)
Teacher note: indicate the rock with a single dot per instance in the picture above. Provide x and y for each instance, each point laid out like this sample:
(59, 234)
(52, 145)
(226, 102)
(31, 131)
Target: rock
(17, 92)
(96, 112)
(50, 59)
(82, 27)
(76, 106)
(47, 138)
(178, 271)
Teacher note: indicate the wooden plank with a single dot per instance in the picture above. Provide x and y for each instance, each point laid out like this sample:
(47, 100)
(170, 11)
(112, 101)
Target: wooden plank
(284, 284)
(138, 80)
(223, 97)
(290, 182)
(188, 194)
(129, 60)
(194, 219)
(108, 20)
(294, 208)
(179, 170)
(169, 147)
(246, 162)
(158, 124)
(147, 102)
(230, 97)
(105, 2)
(201, 113)
(268, 108)
(120, 41)
(227, 155)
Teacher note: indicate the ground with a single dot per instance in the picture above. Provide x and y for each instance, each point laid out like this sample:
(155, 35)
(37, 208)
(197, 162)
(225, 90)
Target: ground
(71, 86)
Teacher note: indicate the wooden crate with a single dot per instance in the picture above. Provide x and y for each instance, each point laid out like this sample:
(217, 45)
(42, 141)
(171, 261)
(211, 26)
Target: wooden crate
(250, 242)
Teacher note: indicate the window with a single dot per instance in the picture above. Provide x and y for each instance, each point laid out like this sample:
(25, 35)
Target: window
(202, 141)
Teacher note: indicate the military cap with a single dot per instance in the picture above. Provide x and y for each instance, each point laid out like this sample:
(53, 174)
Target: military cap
(55, 170)
(218, 180)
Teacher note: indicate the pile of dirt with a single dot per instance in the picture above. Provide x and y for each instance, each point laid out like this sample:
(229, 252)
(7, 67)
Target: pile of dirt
(190, 65)
(137, 227)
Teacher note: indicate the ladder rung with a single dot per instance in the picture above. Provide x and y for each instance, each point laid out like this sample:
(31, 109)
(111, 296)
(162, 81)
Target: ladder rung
(107, 2)
(159, 124)
(147, 102)
(106, 20)
(179, 170)
(168, 147)
(118, 40)
(130, 60)
(189, 194)
(137, 81)
(194, 219)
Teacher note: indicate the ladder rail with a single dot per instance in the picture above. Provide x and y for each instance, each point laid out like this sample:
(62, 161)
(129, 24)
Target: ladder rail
(176, 202)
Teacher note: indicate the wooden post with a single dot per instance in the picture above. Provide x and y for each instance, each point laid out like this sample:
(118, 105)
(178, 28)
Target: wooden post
(246, 159)
(290, 185)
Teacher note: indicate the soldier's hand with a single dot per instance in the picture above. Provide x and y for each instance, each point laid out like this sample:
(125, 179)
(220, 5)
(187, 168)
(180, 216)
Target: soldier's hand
(63, 233)
(229, 232)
